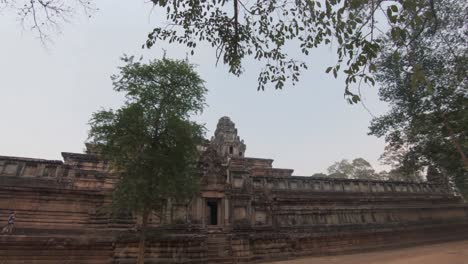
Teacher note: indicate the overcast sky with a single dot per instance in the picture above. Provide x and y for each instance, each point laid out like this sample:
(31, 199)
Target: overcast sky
(47, 94)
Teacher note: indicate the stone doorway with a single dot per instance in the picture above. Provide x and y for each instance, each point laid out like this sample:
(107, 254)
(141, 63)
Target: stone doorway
(212, 206)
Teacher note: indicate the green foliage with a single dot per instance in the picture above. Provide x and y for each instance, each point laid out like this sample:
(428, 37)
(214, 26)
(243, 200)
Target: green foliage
(401, 175)
(341, 169)
(319, 175)
(425, 85)
(150, 141)
(264, 30)
(357, 169)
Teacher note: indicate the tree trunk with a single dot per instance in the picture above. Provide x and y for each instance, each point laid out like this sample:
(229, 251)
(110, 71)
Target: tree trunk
(462, 154)
(456, 143)
(141, 244)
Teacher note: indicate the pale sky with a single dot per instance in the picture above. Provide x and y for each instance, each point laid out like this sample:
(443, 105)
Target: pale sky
(47, 94)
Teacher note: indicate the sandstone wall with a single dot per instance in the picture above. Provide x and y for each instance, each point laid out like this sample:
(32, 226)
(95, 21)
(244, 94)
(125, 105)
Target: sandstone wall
(52, 195)
(278, 217)
(274, 246)
(265, 214)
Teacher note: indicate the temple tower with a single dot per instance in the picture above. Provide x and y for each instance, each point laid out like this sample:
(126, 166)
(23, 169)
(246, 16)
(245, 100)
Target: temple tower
(226, 142)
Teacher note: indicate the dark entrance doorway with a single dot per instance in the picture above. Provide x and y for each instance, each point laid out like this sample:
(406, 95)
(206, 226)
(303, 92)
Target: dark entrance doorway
(212, 212)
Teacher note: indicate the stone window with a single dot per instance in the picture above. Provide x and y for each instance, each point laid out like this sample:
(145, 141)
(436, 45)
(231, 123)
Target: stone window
(260, 218)
(281, 185)
(10, 168)
(293, 185)
(49, 171)
(270, 184)
(30, 170)
(231, 150)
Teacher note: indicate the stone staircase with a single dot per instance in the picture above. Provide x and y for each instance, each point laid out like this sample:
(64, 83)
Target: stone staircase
(218, 248)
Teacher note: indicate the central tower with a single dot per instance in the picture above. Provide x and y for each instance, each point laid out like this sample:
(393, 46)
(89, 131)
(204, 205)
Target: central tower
(226, 141)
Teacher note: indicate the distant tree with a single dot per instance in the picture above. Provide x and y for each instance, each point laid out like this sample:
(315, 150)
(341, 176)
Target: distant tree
(357, 169)
(398, 175)
(363, 170)
(319, 175)
(341, 169)
(426, 88)
(150, 141)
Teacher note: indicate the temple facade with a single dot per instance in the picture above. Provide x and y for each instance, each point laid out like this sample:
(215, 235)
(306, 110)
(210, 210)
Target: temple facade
(246, 211)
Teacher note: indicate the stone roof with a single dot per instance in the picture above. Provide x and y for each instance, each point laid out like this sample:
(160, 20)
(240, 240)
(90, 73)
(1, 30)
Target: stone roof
(22, 159)
(79, 156)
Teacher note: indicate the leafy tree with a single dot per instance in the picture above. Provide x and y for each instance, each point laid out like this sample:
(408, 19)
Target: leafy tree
(357, 169)
(150, 141)
(426, 88)
(266, 30)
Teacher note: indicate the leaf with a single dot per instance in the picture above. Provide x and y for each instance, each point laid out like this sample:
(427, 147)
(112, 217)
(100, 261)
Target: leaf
(389, 12)
(356, 99)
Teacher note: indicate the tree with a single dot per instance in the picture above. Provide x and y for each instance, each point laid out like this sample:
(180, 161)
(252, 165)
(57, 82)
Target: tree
(150, 141)
(357, 169)
(341, 169)
(266, 30)
(319, 175)
(362, 169)
(426, 88)
(44, 16)
(399, 175)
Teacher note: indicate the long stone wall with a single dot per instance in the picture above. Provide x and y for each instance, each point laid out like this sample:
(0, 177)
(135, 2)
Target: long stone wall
(282, 216)
(264, 213)
(315, 185)
(274, 246)
(53, 195)
(62, 217)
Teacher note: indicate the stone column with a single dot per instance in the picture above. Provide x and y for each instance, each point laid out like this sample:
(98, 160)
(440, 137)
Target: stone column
(226, 211)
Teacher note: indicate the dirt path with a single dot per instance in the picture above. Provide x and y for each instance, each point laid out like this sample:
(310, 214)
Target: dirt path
(446, 253)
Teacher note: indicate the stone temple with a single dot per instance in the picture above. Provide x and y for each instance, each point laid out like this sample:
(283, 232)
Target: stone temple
(246, 211)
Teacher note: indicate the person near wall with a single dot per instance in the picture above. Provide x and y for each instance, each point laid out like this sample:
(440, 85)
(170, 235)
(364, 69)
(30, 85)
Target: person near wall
(8, 229)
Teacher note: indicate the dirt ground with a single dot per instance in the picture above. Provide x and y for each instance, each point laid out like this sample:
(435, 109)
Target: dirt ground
(446, 253)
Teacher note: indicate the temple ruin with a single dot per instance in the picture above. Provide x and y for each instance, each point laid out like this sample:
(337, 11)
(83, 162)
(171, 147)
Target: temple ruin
(246, 211)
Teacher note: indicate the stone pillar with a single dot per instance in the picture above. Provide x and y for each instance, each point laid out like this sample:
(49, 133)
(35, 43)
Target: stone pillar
(226, 211)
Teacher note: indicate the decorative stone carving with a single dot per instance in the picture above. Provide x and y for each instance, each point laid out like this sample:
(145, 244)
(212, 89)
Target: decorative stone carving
(226, 142)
